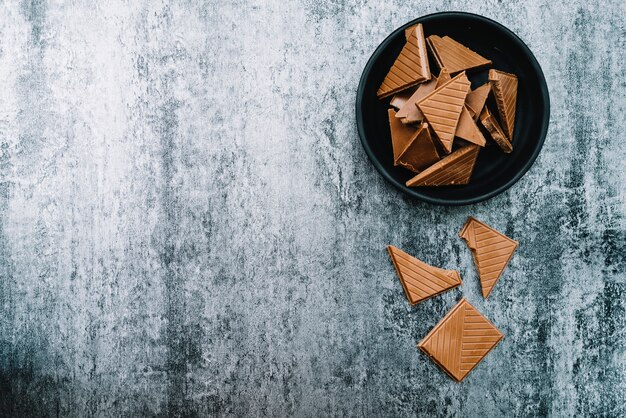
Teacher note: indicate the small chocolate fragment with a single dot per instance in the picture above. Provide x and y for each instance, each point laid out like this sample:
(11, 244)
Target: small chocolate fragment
(453, 169)
(504, 86)
(491, 125)
(401, 135)
(409, 113)
(399, 99)
(491, 250)
(420, 280)
(454, 56)
(460, 340)
(410, 68)
(420, 153)
(444, 77)
(476, 99)
(442, 108)
(466, 129)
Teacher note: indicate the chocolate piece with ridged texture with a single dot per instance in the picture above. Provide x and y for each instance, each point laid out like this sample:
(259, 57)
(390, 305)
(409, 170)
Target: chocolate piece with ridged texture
(491, 250)
(420, 280)
(420, 153)
(460, 340)
(409, 113)
(476, 99)
(401, 134)
(504, 86)
(495, 131)
(454, 56)
(468, 130)
(442, 108)
(410, 68)
(453, 169)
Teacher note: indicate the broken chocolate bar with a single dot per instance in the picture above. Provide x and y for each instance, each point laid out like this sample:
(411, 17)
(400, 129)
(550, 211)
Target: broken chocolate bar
(401, 135)
(453, 169)
(460, 340)
(420, 280)
(410, 68)
(420, 152)
(504, 86)
(454, 56)
(442, 108)
(468, 130)
(491, 250)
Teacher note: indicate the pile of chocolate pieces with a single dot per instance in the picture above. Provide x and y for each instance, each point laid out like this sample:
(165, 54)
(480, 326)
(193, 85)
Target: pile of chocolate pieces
(438, 123)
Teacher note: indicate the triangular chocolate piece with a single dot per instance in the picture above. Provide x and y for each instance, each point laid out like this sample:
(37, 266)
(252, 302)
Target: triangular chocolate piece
(410, 68)
(504, 86)
(443, 78)
(401, 134)
(409, 113)
(454, 169)
(476, 99)
(399, 99)
(491, 250)
(460, 340)
(467, 129)
(420, 153)
(454, 56)
(493, 127)
(442, 108)
(420, 280)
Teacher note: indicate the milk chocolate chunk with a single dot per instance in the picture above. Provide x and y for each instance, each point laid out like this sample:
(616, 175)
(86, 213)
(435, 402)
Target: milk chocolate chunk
(468, 130)
(491, 250)
(460, 340)
(454, 56)
(444, 77)
(419, 280)
(476, 99)
(504, 86)
(401, 135)
(495, 131)
(409, 113)
(410, 68)
(453, 169)
(442, 108)
(399, 99)
(420, 153)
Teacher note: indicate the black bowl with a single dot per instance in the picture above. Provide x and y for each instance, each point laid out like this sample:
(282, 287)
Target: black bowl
(495, 171)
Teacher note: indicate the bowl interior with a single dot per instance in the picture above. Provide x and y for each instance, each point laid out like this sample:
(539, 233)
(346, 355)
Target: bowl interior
(494, 171)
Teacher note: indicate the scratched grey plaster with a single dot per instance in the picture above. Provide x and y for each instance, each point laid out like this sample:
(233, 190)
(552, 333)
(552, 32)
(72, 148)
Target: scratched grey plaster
(189, 226)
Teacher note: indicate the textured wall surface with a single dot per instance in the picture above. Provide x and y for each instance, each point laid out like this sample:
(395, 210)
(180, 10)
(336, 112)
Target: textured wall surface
(189, 226)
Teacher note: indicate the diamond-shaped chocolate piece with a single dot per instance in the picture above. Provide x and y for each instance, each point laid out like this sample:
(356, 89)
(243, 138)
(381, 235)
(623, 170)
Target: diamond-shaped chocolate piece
(460, 340)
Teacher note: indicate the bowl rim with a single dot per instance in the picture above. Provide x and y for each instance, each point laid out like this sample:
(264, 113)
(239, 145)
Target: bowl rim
(414, 192)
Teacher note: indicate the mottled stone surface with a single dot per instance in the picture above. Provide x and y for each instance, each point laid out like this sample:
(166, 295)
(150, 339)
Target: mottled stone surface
(189, 226)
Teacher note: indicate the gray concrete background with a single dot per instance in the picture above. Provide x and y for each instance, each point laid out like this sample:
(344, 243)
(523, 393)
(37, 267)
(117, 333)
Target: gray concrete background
(189, 225)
